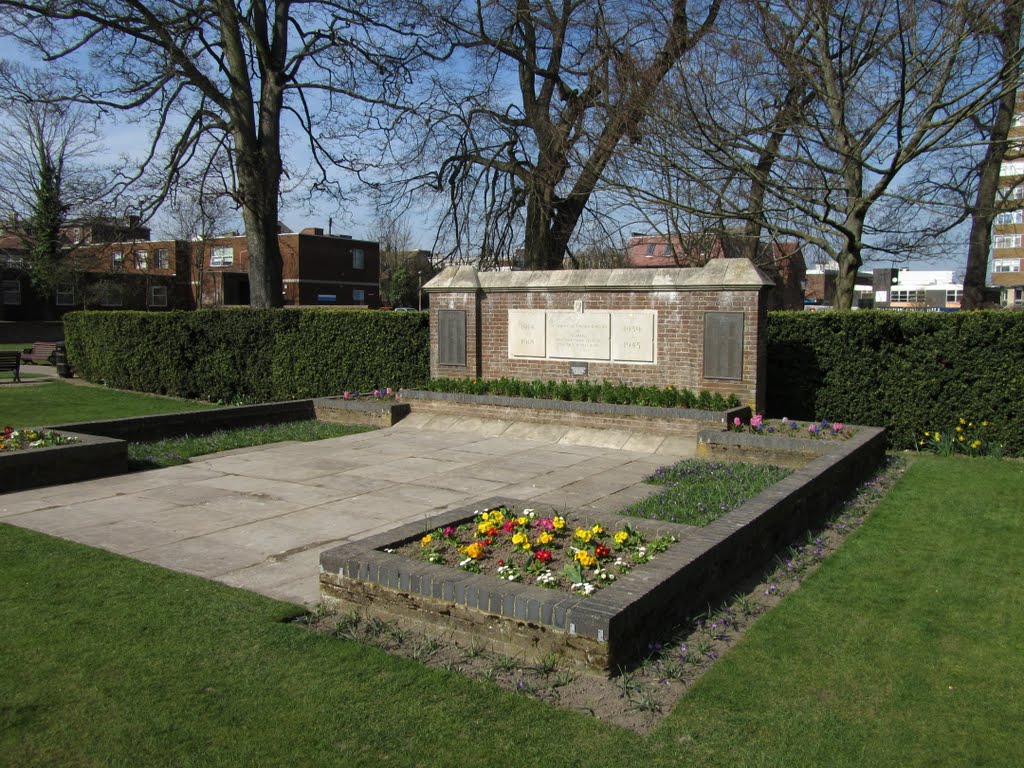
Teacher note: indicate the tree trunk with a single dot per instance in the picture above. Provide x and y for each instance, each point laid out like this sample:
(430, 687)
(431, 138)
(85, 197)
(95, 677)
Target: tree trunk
(986, 202)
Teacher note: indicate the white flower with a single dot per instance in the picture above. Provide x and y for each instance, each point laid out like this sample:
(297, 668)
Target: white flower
(389, 551)
(465, 562)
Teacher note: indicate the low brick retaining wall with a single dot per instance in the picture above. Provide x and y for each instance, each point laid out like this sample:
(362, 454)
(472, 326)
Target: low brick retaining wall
(677, 421)
(373, 413)
(614, 625)
(90, 457)
(782, 451)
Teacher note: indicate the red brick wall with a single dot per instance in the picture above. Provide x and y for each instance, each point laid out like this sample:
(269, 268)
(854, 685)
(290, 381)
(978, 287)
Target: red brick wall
(679, 337)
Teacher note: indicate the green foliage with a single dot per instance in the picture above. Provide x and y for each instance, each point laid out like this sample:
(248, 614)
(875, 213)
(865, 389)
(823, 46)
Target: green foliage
(588, 391)
(249, 355)
(698, 492)
(48, 213)
(401, 289)
(178, 450)
(909, 372)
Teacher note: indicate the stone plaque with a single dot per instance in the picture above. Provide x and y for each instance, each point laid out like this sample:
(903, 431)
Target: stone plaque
(633, 336)
(579, 335)
(579, 368)
(451, 337)
(526, 328)
(723, 345)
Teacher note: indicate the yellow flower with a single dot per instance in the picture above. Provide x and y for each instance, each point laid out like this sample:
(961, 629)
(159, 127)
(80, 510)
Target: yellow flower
(474, 550)
(927, 434)
(961, 438)
(426, 540)
(584, 535)
(546, 538)
(584, 558)
(938, 437)
(558, 523)
(522, 520)
(960, 429)
(921, 443)
(484, 527)
(520, 538)
(971, 424)
(597, 529)
(620, 537)
(963, 421)
(976, 444)
(984, 423)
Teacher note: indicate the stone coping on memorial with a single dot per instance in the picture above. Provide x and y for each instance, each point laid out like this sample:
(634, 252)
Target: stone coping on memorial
(717, 274)
(581, 406)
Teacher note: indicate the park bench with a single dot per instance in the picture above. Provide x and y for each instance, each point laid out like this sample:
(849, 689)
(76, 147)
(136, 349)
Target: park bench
(11, 361)
(41, 352)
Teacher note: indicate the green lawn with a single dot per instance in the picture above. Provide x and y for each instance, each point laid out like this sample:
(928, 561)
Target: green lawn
(58, 402)
(903, 649)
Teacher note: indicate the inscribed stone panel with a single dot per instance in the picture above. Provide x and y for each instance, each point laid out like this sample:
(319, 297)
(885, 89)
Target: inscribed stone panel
(723, 345)
(633, 336)
(451, 337)
(579, 335)
(526, 333)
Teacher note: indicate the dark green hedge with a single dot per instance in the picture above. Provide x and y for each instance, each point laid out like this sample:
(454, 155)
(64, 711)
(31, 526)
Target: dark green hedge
(907, 371)
(250, 355)
(588, 391)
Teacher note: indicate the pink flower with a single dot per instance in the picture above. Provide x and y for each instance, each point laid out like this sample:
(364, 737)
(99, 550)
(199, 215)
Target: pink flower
(755, 421)
(449, 531)
(376, 393)
(346, 395)
(736, 422)
(838, 426)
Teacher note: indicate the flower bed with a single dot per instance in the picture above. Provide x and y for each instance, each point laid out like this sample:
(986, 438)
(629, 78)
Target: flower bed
(68, 458)
(19, 439)
(784, 427)
(568, 552)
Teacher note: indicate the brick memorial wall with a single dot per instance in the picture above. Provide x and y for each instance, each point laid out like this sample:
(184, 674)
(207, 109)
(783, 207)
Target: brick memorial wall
(699, 328)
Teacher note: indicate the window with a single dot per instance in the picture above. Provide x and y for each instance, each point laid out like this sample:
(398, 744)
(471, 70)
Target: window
(65, 295)
(110, 296)
(1011, 168)
(1010, 217)
(163, 260)
(158, 295)
(907, 297)
(953, 296)
(117, 261)
(222, 256)
(76, 234)
(358, 295)
(358, 259)
(650, 249)
(1006, 241)
(667, 250)
(142, 259)
(1013, 193)
(12, 292)
(1006, 265)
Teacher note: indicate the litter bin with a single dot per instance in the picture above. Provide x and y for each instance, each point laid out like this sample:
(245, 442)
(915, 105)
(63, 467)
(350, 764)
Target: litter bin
(60, 359)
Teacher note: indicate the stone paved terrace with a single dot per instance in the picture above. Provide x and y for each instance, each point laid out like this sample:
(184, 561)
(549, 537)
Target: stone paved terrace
(259, 518)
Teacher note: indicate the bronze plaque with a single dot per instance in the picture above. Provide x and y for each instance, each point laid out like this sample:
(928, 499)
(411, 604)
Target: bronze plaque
(723, 345)
(451, 337)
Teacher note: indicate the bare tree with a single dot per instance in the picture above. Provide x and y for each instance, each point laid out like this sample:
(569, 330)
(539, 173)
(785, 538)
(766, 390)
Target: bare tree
(530, 103)
(45, 148)
(215, 78)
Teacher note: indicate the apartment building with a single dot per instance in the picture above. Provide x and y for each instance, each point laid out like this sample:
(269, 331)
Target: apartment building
(1008, 230)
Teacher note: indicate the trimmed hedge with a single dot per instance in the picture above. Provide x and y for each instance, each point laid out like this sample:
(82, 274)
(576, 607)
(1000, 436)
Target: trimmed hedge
(909, 372)
(588, 391)
(250, 355)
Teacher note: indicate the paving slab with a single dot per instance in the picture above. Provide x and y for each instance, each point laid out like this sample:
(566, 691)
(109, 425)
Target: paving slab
(259, 519)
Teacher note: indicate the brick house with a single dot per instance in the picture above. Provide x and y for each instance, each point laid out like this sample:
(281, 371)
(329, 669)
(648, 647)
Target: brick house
(782, 261)
(139, 273)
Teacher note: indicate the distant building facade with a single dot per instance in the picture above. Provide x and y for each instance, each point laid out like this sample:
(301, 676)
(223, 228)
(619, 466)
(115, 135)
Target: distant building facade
(139, 273)
(781, 261)
(887, 288)
(1008, 229)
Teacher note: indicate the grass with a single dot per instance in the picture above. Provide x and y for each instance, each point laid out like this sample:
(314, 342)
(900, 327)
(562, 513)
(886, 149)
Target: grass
(698, 492)
(167, 453)
(902, 650)
(58, 402)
